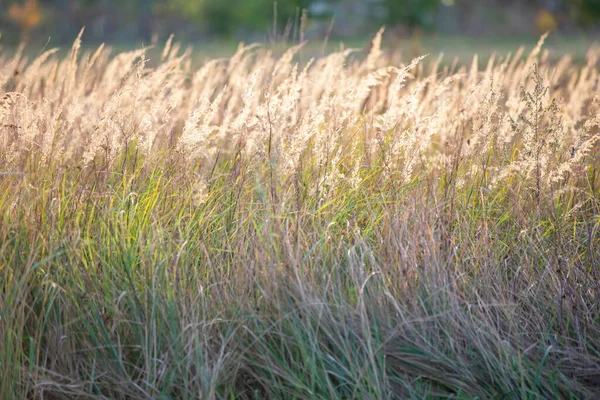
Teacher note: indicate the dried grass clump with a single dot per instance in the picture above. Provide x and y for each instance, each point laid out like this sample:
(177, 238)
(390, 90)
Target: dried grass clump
(276, 227)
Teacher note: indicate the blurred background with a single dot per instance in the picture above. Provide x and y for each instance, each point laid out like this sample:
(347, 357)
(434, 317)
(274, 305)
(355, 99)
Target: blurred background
(145, 21)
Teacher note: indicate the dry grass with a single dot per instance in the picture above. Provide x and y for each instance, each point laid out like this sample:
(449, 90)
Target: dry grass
(282, 228)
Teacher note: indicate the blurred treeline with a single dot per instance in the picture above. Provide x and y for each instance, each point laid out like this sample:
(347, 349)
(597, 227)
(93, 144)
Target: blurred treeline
(127, 20)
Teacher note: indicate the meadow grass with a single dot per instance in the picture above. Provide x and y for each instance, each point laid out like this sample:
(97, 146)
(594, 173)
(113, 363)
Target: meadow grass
(258, 228)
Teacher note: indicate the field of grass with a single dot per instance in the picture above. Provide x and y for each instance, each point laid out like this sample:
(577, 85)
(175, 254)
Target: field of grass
(257, 227)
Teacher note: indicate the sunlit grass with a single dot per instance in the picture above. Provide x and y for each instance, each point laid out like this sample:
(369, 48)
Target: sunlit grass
(219, 271)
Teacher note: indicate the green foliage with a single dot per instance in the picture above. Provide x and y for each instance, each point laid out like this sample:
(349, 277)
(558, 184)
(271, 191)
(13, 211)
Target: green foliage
(141, 18)
(588, 10)
(413, 13)
(227, 17)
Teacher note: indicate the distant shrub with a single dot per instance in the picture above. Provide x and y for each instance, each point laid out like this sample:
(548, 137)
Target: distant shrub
(588, 10)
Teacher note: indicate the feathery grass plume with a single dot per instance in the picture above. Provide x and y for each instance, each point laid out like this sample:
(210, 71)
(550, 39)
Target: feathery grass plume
(375, 52)
(198, 127)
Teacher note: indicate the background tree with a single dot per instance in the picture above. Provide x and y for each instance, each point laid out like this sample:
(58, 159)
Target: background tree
(132, 20)
(588, 10)
(225, 18)
(411, 13)
(27, 15)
